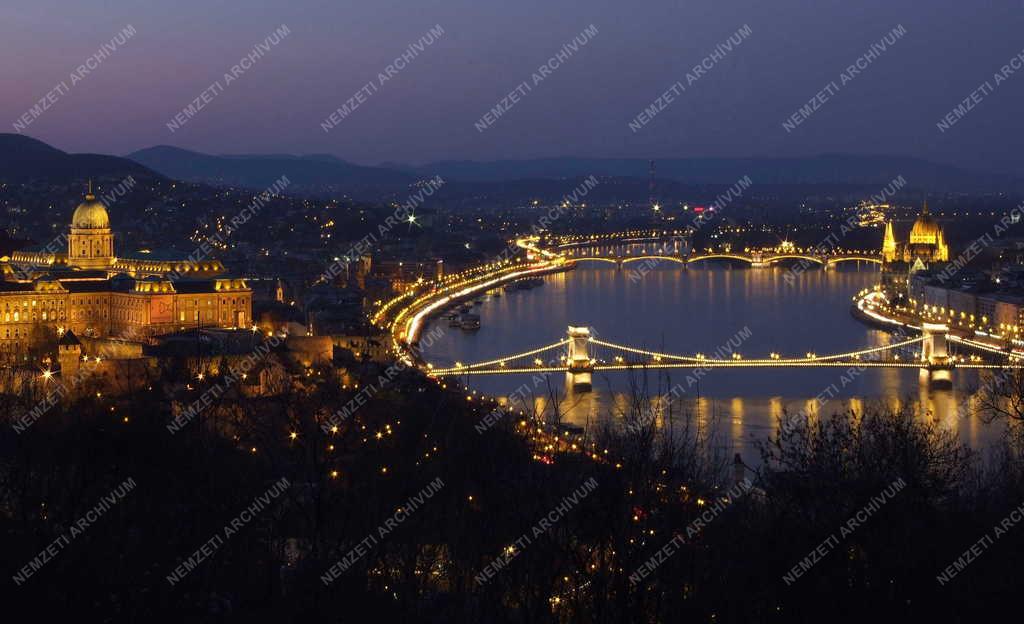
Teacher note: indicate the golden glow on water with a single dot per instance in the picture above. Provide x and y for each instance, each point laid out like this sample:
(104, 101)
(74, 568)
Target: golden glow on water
(704, 411)
(736, 416)
(811, 409)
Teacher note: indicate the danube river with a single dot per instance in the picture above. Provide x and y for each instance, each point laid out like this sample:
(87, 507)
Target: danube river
(706, 309)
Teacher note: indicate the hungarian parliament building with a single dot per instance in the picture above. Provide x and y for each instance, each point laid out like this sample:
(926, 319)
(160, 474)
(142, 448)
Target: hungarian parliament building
(92, 292)
(926, 245)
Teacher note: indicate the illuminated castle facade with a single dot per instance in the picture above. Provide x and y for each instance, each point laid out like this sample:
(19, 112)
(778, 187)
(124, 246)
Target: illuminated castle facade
(926, 243)
(88, 290)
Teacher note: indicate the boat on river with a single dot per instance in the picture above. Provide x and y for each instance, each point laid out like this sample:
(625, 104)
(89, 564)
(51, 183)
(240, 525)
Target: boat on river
(469, 322)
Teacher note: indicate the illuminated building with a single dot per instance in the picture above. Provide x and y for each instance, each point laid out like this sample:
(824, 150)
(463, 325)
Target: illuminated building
(871, 215)
(926, 242)
(92, 292)
(889, 251)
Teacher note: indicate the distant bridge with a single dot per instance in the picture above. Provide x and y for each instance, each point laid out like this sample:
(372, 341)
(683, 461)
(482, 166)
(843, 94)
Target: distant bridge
(640, 245)
(754, 259)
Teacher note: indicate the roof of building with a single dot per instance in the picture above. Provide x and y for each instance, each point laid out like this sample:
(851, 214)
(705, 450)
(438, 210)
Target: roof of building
(66, 273)
(192, 287)
(86, 285)
(69, 339)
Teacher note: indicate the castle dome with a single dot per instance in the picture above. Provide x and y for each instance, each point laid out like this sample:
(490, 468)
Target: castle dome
(91, 214)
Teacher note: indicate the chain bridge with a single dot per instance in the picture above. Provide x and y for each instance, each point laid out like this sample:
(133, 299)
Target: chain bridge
(581, 353)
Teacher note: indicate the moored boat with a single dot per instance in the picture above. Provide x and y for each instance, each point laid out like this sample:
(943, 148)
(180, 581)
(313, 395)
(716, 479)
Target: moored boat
(470, 321)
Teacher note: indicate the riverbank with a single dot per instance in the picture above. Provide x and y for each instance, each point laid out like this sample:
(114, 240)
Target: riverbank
(870, 308)
(409, 321)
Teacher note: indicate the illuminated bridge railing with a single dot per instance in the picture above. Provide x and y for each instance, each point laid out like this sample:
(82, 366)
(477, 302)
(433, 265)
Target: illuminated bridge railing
(519, 362)
(755, 259)
(613, 356)
(816, 359)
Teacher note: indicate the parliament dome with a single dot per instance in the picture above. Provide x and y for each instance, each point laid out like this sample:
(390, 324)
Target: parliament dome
(925, 229)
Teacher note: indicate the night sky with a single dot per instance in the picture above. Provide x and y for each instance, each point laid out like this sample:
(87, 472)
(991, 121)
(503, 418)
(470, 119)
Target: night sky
(427, 111)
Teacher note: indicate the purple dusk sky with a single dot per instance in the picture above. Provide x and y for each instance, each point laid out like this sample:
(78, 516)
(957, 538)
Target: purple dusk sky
(583, 108)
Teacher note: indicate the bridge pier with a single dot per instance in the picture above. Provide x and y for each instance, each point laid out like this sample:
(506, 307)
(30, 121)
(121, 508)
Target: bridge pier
(937, 366)
(581, 368)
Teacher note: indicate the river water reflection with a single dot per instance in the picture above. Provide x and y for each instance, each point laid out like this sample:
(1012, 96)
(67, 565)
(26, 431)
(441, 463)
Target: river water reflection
(700, 309)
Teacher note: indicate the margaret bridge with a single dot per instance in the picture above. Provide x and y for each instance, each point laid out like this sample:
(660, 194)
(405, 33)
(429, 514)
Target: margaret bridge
(655, 253)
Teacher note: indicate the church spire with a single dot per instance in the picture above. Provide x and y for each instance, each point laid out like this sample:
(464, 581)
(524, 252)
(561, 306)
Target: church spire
(889, 244)
(89, 196)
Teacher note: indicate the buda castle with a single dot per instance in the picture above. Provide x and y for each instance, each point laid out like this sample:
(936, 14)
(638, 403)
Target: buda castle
(89, 290)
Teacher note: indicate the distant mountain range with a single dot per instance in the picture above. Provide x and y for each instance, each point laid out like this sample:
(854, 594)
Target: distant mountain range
(312, 173)
(326, 172)
(24, 159)
(826, 169)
